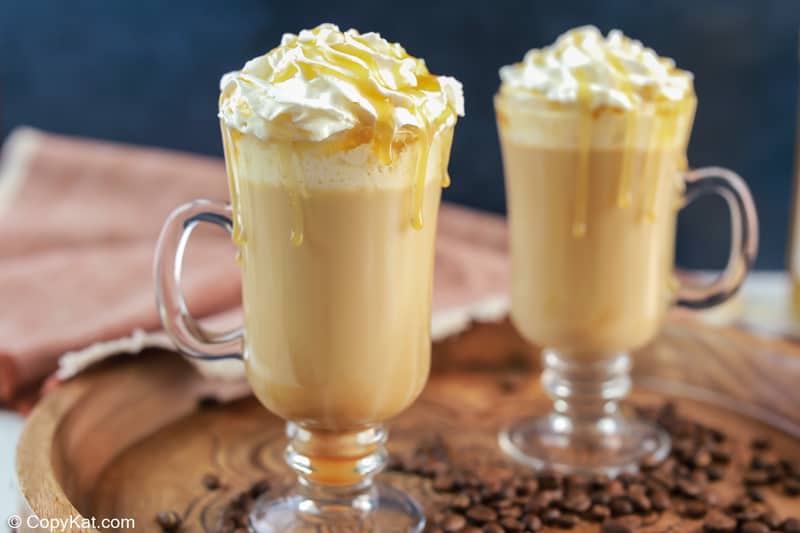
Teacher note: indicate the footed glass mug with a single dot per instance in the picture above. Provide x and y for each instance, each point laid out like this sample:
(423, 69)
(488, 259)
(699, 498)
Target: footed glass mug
(336, 295)
(593, 197)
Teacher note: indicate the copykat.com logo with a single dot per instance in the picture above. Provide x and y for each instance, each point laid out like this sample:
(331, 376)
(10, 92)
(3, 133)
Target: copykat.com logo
(15, 522)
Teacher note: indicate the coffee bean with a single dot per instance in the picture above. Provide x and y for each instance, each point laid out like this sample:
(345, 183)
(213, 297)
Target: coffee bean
(433, 529)
(616, 488)
(715, 473)
(443, 483)
(502, 503)
(577, 502)
(695, 509)
(753, 527)
(551, 516)
(660, 501)
(481, 514)
(566, 521)
(765, 461)
(472, 529)
(453, 522)
(168, 521)
(460, 502)
(601, 498)
(650, 462)
(627, 524)
(720, 454)
(717, 522)
(493, 527)
(754, 477)
(599, 481)
(755, 494)
(533, 523)
(621, 507)
(689, 488)
(512, 524)
(701, 459)
(791, 525)
(598, 513)
(760, 443)
(791, 487)
(511, 512)
(790, 467)
(752, 511)
(638, 497)
(210, 482)
(546, 498)
(550, 480)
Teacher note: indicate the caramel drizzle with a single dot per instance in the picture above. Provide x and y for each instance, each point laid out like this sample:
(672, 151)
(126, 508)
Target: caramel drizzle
(651, 170)
(625, 187)
(290, 171)
(355, 63)
(584, 145)
(231, 151)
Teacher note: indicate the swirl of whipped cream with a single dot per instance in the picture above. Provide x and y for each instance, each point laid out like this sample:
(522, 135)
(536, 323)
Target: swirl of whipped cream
(583, 66)
(324, 84)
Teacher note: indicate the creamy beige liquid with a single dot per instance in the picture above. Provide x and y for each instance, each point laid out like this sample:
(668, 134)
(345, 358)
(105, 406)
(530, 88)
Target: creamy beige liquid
(592, 205)
(336, 281)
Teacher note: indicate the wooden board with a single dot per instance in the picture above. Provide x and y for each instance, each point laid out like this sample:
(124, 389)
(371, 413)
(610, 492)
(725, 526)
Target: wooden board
(128, 440)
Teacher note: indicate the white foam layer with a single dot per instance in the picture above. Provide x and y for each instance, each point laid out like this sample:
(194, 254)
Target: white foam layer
(583, 66)
(306, 164)
(323, 81)
(530, 123)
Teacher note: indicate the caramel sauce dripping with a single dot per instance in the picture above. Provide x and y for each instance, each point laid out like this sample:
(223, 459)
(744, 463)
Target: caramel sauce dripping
(229, 140)
(625, 185)
(649, 173)
(355, 63)
(290, 172)
(584, 145)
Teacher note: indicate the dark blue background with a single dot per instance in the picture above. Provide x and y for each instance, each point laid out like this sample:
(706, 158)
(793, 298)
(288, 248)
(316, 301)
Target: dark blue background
(147, 72)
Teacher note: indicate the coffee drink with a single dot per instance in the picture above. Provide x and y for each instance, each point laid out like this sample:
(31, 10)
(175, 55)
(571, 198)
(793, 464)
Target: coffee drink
(335, 180)
(336, 146)
(594, 131)
(336, 280)
(593, 184)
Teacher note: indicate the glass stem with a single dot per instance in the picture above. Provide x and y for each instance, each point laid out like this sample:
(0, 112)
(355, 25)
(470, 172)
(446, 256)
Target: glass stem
(586, 387)
(336, 466)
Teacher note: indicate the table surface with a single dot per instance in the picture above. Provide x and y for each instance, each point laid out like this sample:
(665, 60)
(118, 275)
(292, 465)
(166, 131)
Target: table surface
(763, 304)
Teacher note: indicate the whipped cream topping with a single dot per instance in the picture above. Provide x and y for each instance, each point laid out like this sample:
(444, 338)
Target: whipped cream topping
(325, 84)
(584, 67)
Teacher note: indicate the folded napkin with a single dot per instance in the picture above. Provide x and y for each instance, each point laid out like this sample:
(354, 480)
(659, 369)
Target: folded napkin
(78, 225)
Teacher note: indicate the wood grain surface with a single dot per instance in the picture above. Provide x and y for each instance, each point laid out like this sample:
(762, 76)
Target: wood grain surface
(128, 440)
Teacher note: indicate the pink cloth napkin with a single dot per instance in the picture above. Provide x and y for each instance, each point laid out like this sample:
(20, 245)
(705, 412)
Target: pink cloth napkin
(78, 225)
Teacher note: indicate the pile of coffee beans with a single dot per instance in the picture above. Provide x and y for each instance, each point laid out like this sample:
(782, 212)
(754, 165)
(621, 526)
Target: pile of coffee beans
(683, 484)
(513, 499)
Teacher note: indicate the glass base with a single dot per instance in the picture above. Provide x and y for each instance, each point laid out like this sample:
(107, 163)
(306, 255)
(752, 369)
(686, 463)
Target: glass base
(608, 445)
(380, 508)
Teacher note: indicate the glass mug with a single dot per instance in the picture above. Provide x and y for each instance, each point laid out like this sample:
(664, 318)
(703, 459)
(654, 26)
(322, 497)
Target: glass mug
(592, 203)
(336, 291)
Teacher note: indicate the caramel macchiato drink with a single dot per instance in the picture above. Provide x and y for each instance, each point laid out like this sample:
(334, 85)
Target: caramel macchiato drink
(336, 147)
(336, 278)
(594, 131)
(593, 191)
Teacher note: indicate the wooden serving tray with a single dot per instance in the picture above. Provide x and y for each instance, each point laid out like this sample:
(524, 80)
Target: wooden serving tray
(128, 438)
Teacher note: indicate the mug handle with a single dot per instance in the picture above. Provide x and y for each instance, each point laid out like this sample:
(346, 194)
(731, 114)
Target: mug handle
(188, 334)
(744, 235)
